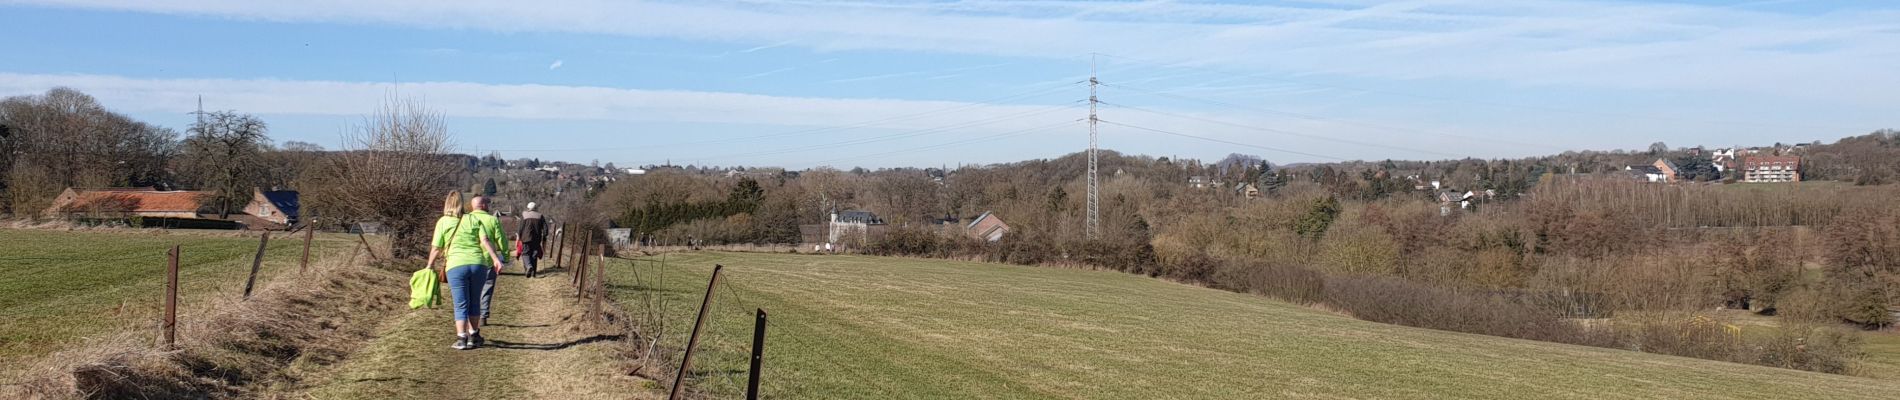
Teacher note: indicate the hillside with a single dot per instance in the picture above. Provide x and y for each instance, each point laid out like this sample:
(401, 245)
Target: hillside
(871, 327)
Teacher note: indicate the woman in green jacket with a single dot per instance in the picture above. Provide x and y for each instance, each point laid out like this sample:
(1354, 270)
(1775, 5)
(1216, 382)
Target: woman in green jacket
(468, 243)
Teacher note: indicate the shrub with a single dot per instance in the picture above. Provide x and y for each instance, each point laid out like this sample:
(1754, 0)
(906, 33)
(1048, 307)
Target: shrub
(908, 241)
(1809, 347)
(1285, 282)
(1401, 302)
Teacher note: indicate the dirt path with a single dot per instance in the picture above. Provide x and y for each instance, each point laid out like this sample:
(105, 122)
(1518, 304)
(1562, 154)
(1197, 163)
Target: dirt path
(536, 349)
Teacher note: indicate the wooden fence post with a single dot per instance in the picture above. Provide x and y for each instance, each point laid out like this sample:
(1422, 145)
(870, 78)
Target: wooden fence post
(171, 299)
(368, 248)
(600, 281)
(758, 356)
(305, 264)
(686, 363)
(256, 262)
(580, 258)
(560, 242)
(580, 274)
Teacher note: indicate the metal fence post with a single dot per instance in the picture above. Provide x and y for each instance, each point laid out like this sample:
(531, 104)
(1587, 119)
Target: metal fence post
(256, 262)
(686, 363)
(171, 299)
(307, 235)
(758, 355)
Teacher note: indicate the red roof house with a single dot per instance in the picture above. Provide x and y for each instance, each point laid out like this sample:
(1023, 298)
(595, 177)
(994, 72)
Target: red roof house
(127, 202)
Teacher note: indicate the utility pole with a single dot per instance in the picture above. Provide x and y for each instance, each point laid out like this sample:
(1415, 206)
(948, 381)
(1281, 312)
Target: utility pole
(1094, 227)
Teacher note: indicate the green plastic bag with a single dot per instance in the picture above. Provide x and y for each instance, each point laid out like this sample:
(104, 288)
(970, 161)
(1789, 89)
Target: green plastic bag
(424, 290)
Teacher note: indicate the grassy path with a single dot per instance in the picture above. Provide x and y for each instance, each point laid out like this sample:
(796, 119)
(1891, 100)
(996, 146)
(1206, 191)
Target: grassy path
(534, 351)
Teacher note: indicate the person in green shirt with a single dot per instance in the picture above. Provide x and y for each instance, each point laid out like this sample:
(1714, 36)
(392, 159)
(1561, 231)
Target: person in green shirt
(469, 243)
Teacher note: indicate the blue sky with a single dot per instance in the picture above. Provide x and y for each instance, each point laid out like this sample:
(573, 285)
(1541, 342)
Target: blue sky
(800, 83)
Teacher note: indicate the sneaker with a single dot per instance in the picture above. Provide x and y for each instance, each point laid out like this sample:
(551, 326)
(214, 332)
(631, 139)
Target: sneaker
(475, 341)
(461, 343)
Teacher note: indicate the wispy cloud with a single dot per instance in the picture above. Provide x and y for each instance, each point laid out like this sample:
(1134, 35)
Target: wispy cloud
(767, 73)
(556, 65)
(765, 47)
(917, 73)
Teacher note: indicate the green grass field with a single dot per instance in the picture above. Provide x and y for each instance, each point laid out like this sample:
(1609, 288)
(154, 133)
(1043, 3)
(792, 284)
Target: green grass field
(870, 327)
(59, 287)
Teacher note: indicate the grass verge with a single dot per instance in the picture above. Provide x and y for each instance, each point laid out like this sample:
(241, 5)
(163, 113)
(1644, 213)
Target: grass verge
(873, 327)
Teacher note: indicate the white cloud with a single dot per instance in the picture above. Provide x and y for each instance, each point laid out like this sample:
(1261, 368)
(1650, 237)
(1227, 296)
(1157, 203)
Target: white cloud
(556, 65)
(1845, 56)
(934, 121)
(465, 99)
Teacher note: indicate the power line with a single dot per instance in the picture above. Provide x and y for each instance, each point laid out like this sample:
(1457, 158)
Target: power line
(1312, 117)
(906, 134)
(1285, 132)
(1167, 132)
(1466, 101)
(822, 129)
(1004, 135)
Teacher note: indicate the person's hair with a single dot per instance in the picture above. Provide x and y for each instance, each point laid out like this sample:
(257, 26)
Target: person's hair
(452, 206)
(477, 202)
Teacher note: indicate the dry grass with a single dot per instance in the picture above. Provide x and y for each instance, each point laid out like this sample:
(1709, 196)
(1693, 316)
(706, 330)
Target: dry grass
(242, 349)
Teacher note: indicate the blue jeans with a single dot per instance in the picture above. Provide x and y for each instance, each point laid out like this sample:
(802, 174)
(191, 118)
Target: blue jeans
(465, 284)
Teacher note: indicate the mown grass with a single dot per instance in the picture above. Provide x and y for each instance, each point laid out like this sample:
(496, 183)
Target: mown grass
(871, 327)
(59, 287)
(1883, 355)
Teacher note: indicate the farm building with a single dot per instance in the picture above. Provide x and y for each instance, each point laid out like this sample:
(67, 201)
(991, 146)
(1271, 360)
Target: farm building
(987, 227)
(126, 203)
(274, 206)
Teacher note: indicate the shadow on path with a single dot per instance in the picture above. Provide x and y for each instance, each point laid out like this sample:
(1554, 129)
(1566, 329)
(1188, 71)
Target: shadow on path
(503, 344)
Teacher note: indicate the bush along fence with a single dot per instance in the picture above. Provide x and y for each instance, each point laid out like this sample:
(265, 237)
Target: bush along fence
(168, 335)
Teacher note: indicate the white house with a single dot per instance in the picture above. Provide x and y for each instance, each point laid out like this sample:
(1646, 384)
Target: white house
(851, 225)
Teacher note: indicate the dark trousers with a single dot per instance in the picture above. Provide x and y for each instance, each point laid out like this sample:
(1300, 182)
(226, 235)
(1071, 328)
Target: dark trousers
(531, 256)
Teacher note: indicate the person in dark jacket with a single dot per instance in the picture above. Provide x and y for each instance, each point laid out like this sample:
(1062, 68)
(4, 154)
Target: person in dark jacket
(534, 228)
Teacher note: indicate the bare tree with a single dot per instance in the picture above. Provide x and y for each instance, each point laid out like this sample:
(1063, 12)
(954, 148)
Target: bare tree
(65, 138)
(394, 171)
(225, 154)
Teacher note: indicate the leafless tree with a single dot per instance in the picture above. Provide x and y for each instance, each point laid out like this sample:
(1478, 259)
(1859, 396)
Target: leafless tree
(65, 138)
(394, 170)
(225, 154)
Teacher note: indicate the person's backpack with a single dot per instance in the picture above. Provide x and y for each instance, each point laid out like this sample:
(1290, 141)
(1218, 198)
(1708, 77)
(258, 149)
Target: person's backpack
(424, 291)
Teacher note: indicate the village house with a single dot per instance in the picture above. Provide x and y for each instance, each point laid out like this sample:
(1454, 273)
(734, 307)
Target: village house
(1661, 171)
(1198, 182)
(1723, 159)
(1248, 190)
(1450, 198)
(1766, 169)
(987, 227)
(126, 203)
(851, 225)
(275, 206)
